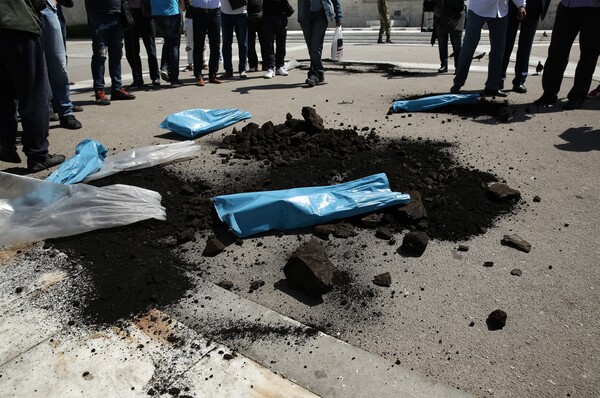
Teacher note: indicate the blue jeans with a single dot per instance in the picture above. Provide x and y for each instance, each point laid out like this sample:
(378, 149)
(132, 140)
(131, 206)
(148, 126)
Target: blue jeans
(239, 23)
(206, 22)
(314, 35)
(56, 61)
(144, 28)
(274, 29)
(171, 30)
(497, 29)
(526, 36)
(107, 38)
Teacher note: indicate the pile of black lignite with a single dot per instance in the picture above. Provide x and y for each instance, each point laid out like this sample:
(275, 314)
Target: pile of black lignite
(133, 268)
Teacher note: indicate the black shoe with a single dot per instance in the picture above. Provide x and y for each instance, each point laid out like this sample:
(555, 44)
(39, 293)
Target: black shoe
(54, 117)
(455, 89)
(519, 88)
(546, 99)
(69, 122)
(311, 82)
(494, 93)
(573, 104)
(77, 108)
(380, 41)
(120, 95)
(136, 84)
(389, 41)
(156, 84)
(9, 154)
(501, 85)
(51, 161)
(227, 75)
(176, 83)
(443, 69)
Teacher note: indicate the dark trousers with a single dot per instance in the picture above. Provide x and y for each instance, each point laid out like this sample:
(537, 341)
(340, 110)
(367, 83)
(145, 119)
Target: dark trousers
(455, 40)
(526, 36)
(170, 26)
(274, 30)
(107, 39)
(568, 23)
(24, 81)
(145, 29)
(237, 23)
(314, 35)
(206, 23)
(254, 32)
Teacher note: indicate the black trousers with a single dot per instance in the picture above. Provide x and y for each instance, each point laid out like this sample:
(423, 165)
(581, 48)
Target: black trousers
(143, 28)
(24, 84)
(568, 23)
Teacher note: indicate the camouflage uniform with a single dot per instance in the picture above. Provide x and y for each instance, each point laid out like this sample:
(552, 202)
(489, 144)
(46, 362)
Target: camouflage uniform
(384, 20)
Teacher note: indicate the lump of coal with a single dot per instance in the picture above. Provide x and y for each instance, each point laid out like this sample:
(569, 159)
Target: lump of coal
(415, 243)
(384, 233)
(516, 272)
(496, 320)
(310, 269)
(225, 284)
(372, 220)
(257, 284)
(213, 247)
(314, 122)
(412, 212)
(502, 192)
(516, 242)
(323, 231)
(344, 230)
(384, 279)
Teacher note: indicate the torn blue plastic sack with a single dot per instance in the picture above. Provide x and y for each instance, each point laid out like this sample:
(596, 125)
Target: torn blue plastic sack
(255, 212)
(194, 123)
(434, 101)
(88, 159)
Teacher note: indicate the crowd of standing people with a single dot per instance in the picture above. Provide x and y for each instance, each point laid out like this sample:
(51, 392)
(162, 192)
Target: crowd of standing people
(34, 80)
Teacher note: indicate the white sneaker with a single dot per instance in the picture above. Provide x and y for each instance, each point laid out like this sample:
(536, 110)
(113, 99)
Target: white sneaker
(281, 71)
(270, 73)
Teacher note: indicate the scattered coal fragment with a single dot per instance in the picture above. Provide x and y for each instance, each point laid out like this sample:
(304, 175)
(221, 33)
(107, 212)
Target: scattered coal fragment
(384, 279)
(414, 243)
(384, 233)
(412, 212)
(516, 272)
(496, 320)
(463, 248)
(372, 220)
(213, 247)
(344, 230)
(517, 242)
(323, 231)
(310, 269)
(19, 289)
(537, 199)
(225, 284)
(314, 122)
(502, 192)
(255, 285)
(488, 263)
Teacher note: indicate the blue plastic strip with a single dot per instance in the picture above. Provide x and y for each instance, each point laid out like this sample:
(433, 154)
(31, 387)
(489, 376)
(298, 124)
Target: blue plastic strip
(194, 123)
(435, 101)
(255, 212)
(88, 159)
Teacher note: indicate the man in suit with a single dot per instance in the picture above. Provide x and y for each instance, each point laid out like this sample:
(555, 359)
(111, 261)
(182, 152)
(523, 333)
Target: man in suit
(536, 10)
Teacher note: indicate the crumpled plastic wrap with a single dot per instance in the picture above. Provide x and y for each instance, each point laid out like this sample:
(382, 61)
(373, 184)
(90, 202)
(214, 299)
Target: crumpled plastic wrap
(255, 212)
(88, 159)
(32, 210)
(194, 123)
(434, 101)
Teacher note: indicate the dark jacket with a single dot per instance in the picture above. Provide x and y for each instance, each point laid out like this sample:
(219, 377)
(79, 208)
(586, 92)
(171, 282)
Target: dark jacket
(103, 6)
(22, 15)
(275, 7)
(449, 15)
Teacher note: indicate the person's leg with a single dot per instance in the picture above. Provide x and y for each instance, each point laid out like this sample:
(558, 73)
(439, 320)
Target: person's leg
(56, 61)
(442, 38)
(497, 31)
(148, 34)
(199, 38)
(589, 44)
(511, 34)
(132, 46)
(455, 40)
(528, 28)
(281, 23)
(188, 29)
(227, 24)
(319, 25)
(8, 103)
(267, 41)
(98, 29)
(563, 35)
(172, 42)
(214, 43)
(472, 36)
(241, 34)
(115, 52)
(252, 55)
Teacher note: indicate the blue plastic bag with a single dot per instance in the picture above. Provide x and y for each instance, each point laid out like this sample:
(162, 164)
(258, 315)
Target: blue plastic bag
(88, 159)
(435, 101)
(255, 212)
(197, 122)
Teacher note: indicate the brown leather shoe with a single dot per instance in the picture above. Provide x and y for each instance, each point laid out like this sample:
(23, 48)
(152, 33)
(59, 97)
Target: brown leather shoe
(200, 81)
(214, 80)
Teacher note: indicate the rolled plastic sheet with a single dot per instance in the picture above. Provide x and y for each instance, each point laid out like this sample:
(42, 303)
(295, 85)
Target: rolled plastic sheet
(32, 210)
(88, 159)
(434, 101)
(194, 123)
(255, 212)
(141, 158)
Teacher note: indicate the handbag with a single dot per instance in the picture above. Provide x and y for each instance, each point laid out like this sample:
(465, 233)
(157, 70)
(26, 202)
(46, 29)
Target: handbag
(288, 9)
(235, 4)
(126, 16)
